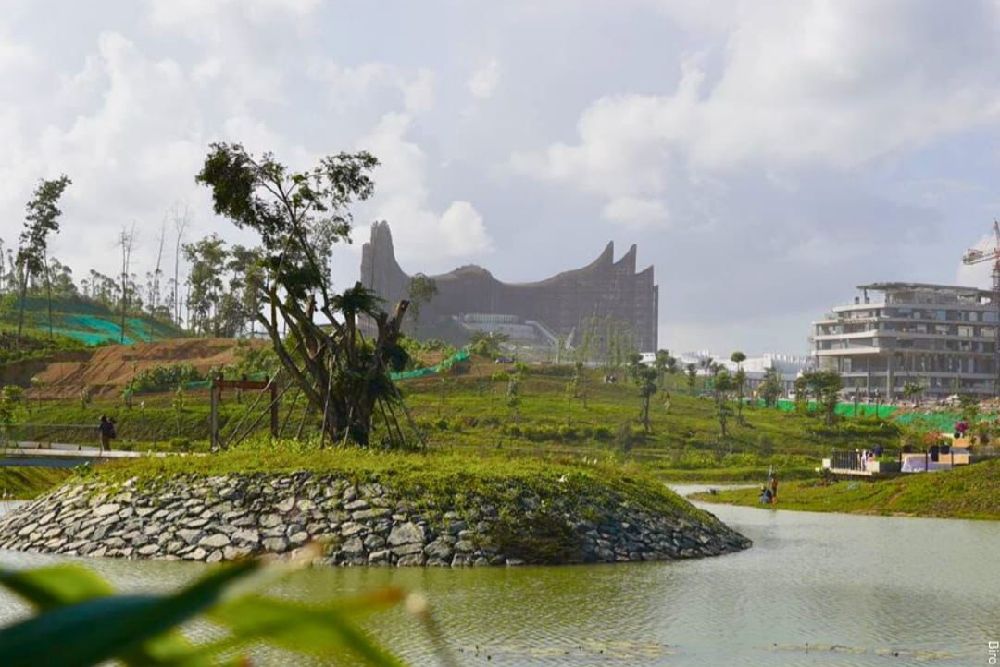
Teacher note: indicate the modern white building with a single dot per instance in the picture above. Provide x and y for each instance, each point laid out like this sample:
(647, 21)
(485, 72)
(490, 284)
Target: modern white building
(942, 337)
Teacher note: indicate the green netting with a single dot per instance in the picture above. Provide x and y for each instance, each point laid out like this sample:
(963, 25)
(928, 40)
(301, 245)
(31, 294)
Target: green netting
(461, 355)
(842, 409)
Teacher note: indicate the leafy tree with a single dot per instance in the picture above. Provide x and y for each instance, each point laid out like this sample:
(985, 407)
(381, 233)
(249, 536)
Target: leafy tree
(723, 384)
(692, 375)
(421, 290)
(208, 258)
(740, 380)
(770, 387)
(912, 390)
(487, 344)
(42, 219)
(635, 367)
(298, 217)
(825, 387)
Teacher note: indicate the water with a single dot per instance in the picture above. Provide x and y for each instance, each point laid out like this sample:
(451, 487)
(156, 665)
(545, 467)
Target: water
(816, 589)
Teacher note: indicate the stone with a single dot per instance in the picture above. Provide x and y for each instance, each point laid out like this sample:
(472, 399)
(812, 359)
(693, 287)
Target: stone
(270, 521)
(411, 560)
(352, 547)
(214, 557)
(107, 509)
(356, 505)
(406, 533)
(215, 541)
(196, 554)
(250, 536)
(148, 550)
(189, 535)
(275, 544)
(374, 513)
(439, 550)
(298, 539)
(286, 505)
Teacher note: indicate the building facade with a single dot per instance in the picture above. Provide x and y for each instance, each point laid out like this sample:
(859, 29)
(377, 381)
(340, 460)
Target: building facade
(561, 307)
(940, 337)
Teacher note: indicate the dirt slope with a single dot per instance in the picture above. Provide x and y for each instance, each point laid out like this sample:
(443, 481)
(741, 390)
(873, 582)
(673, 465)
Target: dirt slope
(109, 369)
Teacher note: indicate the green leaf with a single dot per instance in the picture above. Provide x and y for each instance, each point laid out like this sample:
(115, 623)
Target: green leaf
(324, 631)
(102, 628)
(55, 586)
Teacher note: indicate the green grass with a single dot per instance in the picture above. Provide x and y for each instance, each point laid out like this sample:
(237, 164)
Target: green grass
(22, 483)
(969, 492)
(468, 414)
(428, 480)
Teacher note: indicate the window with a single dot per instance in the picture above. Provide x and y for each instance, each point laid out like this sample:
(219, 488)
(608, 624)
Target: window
(965, 332)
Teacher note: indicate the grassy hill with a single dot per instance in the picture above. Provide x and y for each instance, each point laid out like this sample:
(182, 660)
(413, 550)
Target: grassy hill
(971, 492)
(84, 321)
(471, 414)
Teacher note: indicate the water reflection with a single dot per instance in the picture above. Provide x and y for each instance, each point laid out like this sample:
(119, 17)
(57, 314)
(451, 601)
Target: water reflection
(816, 589)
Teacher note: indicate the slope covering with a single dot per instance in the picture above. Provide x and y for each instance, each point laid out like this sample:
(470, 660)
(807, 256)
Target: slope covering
(84, 321)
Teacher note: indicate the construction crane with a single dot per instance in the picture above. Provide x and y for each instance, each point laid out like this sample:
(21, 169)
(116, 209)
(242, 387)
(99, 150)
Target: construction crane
(992, 254)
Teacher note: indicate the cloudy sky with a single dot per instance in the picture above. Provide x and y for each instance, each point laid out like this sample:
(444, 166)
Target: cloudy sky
(765, 156)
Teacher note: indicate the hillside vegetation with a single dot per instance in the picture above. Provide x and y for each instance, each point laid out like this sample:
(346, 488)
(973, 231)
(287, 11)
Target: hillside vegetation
(475, 412)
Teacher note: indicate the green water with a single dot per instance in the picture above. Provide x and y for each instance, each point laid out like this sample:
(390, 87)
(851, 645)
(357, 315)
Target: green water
(816, 589)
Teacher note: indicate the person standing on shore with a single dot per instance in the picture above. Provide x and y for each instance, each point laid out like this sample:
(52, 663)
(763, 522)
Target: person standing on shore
(774, 489)
(106, 431)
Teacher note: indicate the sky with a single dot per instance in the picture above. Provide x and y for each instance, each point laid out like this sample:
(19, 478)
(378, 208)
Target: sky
(765, 156)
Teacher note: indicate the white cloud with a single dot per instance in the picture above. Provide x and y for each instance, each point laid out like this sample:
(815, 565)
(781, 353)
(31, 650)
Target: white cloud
(802, 84)
(636, 213)
(483, 82)
(402, 198)
(347, 87)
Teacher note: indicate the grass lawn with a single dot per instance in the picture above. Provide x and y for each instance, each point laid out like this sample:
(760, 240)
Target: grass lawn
(970, 492)
(23, 483)
(469, 414)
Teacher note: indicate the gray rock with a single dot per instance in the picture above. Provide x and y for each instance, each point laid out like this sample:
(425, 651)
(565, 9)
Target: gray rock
(275, 544)
(107, 509)
(406, 533)
(214, 541)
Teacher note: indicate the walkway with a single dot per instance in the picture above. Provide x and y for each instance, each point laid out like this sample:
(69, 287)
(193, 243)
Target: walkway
(62, 455)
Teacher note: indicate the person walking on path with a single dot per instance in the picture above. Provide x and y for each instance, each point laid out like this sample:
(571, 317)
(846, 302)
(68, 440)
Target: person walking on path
(106, 431)
(774, 489)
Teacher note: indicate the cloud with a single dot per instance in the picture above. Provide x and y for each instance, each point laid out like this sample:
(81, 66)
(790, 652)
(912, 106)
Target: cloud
(402, 198)
(636, 213)
(483, 82)
(802, 85)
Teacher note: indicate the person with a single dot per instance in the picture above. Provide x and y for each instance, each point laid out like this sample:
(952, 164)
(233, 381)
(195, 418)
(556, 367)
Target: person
(765, 495)
(106, 431)
(774, 489)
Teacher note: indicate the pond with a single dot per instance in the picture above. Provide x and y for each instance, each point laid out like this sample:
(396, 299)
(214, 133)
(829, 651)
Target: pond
(816, 589)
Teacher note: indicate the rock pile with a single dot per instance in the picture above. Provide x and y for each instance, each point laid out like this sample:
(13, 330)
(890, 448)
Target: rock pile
(227, 517)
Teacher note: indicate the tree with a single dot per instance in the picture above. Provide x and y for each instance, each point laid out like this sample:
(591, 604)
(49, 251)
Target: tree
(825, 387)
(208, 258)
(180, 223)
(647, 388)
(125, 240)
(298, 217)
(692, 374)
(770, 387)
(635, 367)
(739, 380)
(421, 290)
(912, 390)
(487, 344)
(723, 384)
(41, 220)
